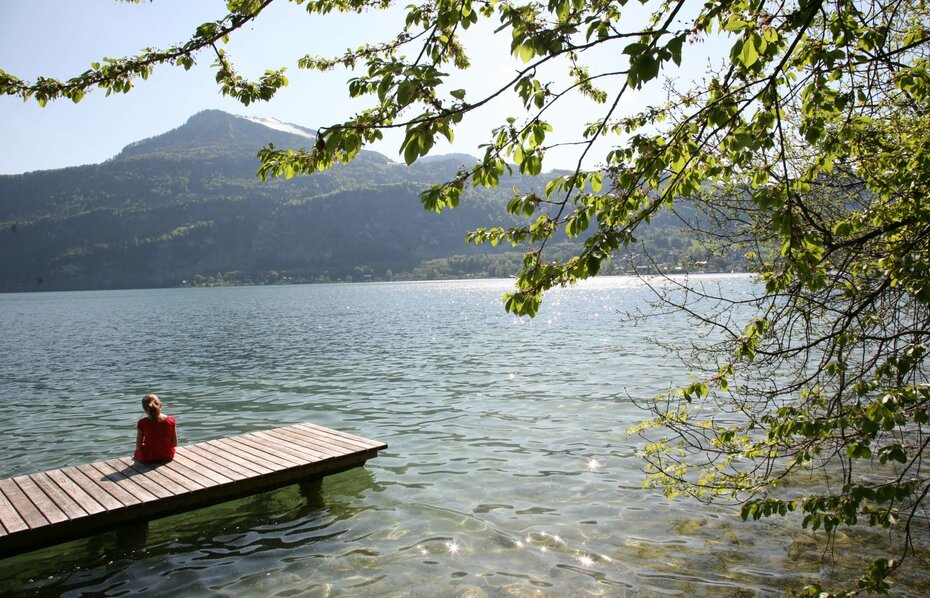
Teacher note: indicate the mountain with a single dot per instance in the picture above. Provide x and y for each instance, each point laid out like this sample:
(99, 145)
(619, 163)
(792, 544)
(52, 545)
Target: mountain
(218, 133)
(187, 205)
(463, 159)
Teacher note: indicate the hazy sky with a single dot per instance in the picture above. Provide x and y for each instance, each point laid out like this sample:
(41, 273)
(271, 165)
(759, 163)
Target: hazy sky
(60, 38)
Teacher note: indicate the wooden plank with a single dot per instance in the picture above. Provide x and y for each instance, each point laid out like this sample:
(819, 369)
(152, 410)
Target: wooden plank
(345, 437)
(220, 464)
(104, 491)
(295, 437)
(150, 481)
(293, 450)
(209, 473)
(271, 451)
(333, 440)
(184, 476)
(256, 468)
(299, 438)
(27, 511)
(42, 502)
(257, 461)
(348, 440)
(212, 453)
(68, 506)
(9, 517)
(180, 466)
(77, 494)
(144, 475)
(256, 449)
(114, 477)
(158, 474)
(326, 443)
(217, 471)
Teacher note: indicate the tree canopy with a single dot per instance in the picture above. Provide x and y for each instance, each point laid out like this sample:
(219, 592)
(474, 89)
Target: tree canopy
(807, 146)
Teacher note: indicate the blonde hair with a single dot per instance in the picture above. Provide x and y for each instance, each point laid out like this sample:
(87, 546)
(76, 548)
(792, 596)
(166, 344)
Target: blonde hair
(152, 406)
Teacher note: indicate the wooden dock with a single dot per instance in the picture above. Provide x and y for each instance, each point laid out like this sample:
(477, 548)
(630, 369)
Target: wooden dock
(56, 506)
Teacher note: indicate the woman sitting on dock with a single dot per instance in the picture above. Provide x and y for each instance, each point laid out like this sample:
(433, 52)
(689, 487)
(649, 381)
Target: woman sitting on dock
(157, 434)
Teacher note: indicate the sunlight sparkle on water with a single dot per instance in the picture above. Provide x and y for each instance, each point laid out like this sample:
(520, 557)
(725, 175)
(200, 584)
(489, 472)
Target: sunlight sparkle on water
(585, 560)
(593, 464)
(453, 547)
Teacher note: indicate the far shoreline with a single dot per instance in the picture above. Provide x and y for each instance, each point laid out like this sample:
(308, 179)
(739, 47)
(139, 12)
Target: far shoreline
(677, 275)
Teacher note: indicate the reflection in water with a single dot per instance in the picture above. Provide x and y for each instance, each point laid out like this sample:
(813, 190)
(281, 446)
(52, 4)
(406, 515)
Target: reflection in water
(509, 470)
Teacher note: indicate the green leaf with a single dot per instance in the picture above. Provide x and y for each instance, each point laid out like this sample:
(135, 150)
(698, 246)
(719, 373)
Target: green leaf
(748, 54)
(525, 52)
(411, 149)
(857, 450)
(735, 24)
(674, 46)
(405, 92)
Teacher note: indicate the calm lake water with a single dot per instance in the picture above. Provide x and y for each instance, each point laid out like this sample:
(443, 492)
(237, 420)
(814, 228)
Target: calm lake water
(509, 472)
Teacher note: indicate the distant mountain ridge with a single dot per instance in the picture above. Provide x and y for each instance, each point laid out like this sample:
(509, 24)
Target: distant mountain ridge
(222, 132)
(186, 207)
(187, 203)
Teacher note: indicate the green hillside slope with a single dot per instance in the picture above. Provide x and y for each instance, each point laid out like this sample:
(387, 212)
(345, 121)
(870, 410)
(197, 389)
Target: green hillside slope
(186, 207)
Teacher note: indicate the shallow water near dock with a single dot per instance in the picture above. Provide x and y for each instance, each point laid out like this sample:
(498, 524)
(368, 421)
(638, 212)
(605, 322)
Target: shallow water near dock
(509, 470)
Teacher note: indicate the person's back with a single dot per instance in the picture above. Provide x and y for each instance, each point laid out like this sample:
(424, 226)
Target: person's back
(157, 434)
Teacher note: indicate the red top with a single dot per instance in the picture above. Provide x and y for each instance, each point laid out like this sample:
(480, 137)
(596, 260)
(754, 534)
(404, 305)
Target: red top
(157, 440)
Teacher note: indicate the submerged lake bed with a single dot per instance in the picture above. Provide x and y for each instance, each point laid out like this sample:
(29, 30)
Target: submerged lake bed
(509, 470)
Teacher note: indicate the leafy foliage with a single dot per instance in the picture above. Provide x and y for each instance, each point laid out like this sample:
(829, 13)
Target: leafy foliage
(808, 144)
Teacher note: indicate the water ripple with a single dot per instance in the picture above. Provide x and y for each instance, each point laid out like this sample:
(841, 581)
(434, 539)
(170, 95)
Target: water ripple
(509, 472)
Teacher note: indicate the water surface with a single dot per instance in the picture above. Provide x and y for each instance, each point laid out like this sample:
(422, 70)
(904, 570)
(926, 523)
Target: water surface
(509, 472)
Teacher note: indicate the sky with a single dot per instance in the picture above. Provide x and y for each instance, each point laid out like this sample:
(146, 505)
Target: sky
(61, 38)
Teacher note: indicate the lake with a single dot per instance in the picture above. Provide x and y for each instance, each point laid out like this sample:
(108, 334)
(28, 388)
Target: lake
(509, 472)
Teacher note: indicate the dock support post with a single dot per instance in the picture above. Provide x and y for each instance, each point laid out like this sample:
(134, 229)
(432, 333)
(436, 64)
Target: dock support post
(312, 491)
(132, 536)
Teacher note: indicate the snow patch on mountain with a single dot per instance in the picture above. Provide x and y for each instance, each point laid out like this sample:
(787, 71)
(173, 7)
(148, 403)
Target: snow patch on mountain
(277, 125)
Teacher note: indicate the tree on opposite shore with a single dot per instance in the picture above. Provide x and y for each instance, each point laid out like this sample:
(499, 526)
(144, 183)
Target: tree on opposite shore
(807, 147)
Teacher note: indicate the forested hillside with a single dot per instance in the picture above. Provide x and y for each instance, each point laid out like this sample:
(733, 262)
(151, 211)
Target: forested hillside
(187, 208)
